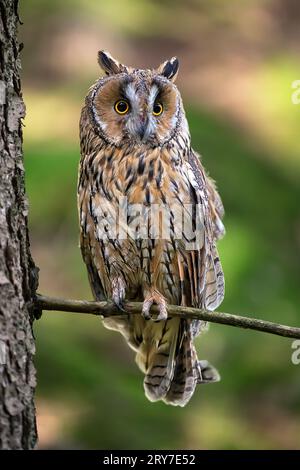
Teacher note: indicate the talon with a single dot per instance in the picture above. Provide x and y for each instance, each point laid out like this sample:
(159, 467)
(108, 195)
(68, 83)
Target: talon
(158, 299)
(146, 309)
(163, 314)
(120, 305)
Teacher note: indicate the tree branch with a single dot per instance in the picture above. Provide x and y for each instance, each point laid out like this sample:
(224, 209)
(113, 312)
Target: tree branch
(107, 309)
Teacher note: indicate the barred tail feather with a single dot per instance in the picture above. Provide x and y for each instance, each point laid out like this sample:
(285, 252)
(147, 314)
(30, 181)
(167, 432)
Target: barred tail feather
(170, 363)
(186, 373)
(160, 367)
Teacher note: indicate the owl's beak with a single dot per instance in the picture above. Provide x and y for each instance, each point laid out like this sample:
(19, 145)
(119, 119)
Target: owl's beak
(141, 129)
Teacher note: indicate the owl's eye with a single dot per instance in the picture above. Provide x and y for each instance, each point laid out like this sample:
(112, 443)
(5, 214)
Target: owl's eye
(157, 109)
(121, 107)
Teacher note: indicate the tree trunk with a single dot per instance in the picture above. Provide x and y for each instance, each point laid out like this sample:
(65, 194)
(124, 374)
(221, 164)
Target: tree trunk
(18, 275)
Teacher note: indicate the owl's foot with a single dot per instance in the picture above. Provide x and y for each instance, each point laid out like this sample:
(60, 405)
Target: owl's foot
(118, 288)
(155, 298)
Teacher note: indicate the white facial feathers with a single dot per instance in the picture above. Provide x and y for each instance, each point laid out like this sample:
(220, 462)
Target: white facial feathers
(152, 96)
(137, 100)
(132, 96)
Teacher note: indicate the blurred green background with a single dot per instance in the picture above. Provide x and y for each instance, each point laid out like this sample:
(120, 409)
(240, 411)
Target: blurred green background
(237, 64)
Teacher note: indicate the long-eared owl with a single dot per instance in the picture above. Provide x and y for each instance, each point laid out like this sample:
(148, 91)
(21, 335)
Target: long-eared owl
(149, 220)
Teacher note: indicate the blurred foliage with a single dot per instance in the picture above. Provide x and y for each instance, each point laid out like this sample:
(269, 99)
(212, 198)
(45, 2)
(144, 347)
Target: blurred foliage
(87, 380)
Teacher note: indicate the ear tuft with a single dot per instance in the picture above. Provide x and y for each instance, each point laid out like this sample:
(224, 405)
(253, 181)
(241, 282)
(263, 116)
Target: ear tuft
(110, 65)
(169, 69)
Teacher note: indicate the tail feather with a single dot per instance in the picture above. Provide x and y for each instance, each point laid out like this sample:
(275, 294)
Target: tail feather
(167, 356)
(186, 372)
(172, 367)
(208, 373)
(160, 369)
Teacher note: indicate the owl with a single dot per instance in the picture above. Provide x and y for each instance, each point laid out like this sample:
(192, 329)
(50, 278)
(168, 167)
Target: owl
(150, 217)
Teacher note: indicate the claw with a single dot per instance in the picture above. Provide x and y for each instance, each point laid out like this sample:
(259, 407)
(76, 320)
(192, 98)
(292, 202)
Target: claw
(155, 298)
(163, 313)
(120, 305)
(146, 309)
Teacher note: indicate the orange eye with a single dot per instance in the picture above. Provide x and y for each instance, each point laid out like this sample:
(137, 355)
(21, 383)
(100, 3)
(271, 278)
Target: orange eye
(121, 107)
(157, 109)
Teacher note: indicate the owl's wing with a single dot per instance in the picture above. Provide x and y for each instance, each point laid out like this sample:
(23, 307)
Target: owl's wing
(214, 199)
(93, 275)
(204, 267)
(90, 248)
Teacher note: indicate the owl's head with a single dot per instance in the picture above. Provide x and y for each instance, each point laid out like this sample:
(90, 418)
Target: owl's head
(140, 107)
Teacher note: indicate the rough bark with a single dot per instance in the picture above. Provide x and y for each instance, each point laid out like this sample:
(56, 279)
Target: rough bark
(18, 275)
